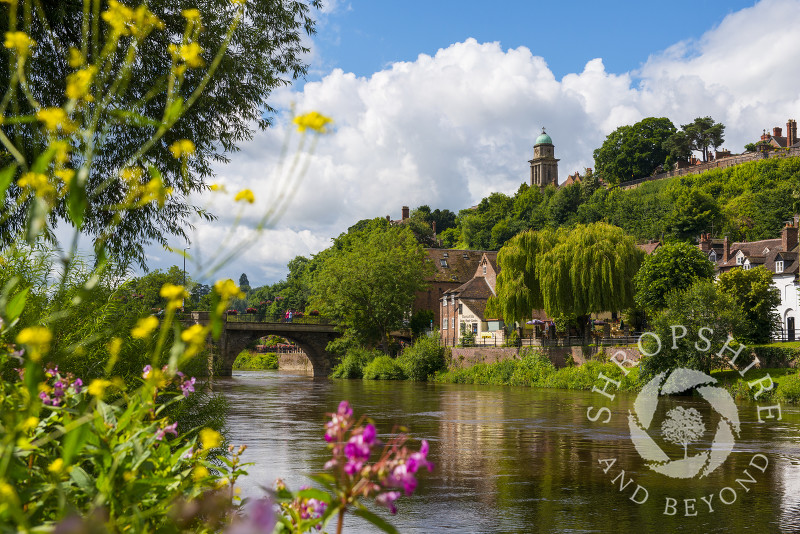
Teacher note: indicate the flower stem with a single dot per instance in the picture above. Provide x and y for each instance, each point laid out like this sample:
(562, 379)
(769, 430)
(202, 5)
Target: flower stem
(340, 522)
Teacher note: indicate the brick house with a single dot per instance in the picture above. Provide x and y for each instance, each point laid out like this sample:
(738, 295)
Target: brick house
(779, 256)
(464, 307)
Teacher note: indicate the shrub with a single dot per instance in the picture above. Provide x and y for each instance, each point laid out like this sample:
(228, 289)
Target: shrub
(423, 359)
(512, 339)
(532, 370)
(353, 363)
(254, 361)
(771, 356)
(383, 368)
(789, 389)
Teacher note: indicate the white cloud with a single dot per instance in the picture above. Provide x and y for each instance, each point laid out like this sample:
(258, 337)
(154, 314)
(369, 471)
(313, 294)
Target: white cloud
(449, 129)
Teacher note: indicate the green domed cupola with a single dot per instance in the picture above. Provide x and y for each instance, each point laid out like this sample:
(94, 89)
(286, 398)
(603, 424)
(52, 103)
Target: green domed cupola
(543, 139)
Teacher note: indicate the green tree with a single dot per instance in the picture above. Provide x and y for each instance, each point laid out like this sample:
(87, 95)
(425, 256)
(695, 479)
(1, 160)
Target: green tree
(148, 287)
(583, 270)
(631, 152)
(368, 283)
(692, 214)
(266, 51)
(702, 305)
(704, 133)
(244, 283)
(679, 146)
(672, 267)
(753, 291)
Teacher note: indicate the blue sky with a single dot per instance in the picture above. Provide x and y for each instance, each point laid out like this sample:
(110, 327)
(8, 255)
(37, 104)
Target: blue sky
(364, 36)
(439, 102)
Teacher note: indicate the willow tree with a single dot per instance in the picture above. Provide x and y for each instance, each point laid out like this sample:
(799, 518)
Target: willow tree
(583, 270)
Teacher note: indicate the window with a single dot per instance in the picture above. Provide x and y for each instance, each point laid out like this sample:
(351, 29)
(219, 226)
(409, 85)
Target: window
(460, 308)
(445, 255)
(779, 266)
(452, 322)
(444, 323)
(484, 268)
(739, 259)
(444, 303)
(443, 262)
(746, 266)
(453, 299)
(474, 328)
(713, 256)
(466, 256)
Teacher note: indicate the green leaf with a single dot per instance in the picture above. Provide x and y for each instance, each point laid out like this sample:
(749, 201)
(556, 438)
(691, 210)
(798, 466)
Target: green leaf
(376, 520)
(73, 441)
(43, 161)
(77, 201)
(6, 175)
(313, 493)
(16, 305)
(134, 119)
(82, 479)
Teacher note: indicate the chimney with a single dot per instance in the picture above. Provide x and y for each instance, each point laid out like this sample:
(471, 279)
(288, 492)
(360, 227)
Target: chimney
(791, 132)
(405, 213)
(789, 237)
(705, 242)
(388, 217)
(776, 131)
(433, 225)
(726, 250)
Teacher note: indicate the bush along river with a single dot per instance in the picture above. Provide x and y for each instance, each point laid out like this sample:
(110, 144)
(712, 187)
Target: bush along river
(517, 459)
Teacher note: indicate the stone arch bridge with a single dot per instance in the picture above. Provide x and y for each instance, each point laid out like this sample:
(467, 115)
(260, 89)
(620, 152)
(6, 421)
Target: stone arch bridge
(311, 334)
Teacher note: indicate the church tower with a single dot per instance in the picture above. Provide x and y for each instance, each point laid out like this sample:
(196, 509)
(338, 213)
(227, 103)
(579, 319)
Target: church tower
(544, 165)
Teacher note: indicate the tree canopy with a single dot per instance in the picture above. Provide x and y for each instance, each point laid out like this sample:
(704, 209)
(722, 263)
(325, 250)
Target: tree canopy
(266, 51)
(368, 280)
(704, 133)
(636, 151)
(672, 267)
(753, 292)
(583, 270)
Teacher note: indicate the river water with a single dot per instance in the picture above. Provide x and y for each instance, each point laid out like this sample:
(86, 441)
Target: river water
(514, 459)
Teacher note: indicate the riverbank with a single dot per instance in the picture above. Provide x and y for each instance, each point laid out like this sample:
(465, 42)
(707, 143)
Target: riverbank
(255, 361)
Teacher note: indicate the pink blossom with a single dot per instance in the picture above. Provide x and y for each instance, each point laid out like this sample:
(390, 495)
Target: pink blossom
(188, 387)
(146, 371)
(169, 429)
(387, 499)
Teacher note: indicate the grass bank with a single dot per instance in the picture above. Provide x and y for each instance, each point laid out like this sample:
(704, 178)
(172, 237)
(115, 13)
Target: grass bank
(255, 361)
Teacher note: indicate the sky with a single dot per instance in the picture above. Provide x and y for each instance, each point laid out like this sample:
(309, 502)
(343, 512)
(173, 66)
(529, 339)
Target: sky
(439, 103)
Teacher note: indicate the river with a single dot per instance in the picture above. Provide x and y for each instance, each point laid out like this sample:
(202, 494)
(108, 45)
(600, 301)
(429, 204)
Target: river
(514, 459)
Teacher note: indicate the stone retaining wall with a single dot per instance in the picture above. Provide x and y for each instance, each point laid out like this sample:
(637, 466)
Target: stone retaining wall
(294, 361)
(461, 357)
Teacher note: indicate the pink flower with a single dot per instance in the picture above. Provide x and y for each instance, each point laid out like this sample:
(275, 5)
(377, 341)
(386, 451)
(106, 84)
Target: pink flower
(188, 387)
(146, 371)
(387, 499)
(169, 429)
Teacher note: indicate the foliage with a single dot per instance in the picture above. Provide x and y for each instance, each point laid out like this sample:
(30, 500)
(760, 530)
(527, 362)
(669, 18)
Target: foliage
(580, 271)
(256, 361)
(776, 356)
(354, 362)
(753, 292)
(423, 359)
(368, 281)
(420, 322)
(702, 305)
(672, 267)
(632, 152)
(693, 213)
(467, 337)
(512, 339)
(147, 287)
(383, 368)
(704, 133)
(159, 96)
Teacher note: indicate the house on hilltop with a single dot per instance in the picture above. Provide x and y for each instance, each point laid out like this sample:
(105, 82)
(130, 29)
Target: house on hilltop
(779, 256)
(778, 140)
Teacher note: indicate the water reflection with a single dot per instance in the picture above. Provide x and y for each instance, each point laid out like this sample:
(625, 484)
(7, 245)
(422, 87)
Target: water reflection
(515, 459)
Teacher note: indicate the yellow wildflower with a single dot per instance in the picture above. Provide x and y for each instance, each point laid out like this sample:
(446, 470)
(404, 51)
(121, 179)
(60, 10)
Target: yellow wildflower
(246, 195)
(132, 175)
(192, 15)
(312, 120)
(29, 424)
(118, 16)
(55, 118)
(76, 58)
(195, 337)
(38, 182)
(190, 54)
(57, 466)
(79, 83)
(221, 483)
(65, 175)
(238, 2)
(144, 327)
(144, 21)
(6, 491)
(174, 294)
(227, 289)
(181, 148)
(62, 151)
(210, 438)
(114, 346)
(154, 190)
(217, 187)
(199, 473)
(98, 387)
(19, 42)
(37, 338)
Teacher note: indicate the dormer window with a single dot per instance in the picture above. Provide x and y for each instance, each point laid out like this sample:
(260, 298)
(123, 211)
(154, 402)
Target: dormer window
(739, 259)
(766, 251)
(466, 256)
(779, 266)
(746, 265)
(713, 256)
(444, 255)
(443, 263)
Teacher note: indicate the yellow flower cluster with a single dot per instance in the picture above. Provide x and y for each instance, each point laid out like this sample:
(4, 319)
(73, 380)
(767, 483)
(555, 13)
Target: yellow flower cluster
(114, 346)
(37, 339)
(195, 337)
(19, 42)
(190, 54)
(75, 57)
(38, 183)
(210, 438)
(227, 289)
(126, 21)
(174, 295)
(79, 83)
(181, 148)
(217, 187)
(246, 195)
(154, 190)
(98, 387)
(144, 327)
(312, 120)
(29, 424)
(56, 466)
(55, 119)
(199, 473)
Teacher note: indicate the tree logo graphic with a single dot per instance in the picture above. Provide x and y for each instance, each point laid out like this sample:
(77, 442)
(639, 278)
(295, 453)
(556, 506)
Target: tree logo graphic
(683, 426)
